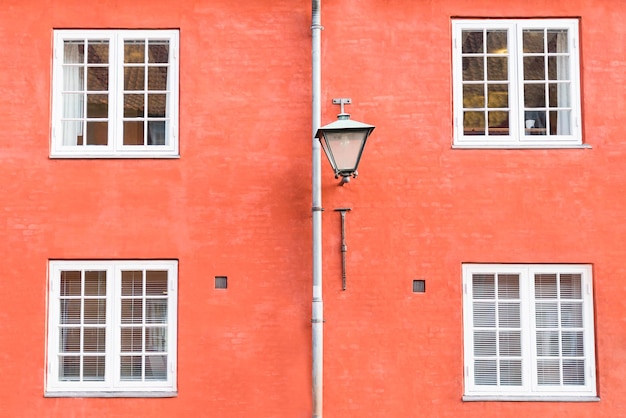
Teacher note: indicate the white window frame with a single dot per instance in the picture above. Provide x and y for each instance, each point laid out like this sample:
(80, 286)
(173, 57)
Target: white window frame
(115, 147)
(530, 389)
(517, 137)
(112, 385)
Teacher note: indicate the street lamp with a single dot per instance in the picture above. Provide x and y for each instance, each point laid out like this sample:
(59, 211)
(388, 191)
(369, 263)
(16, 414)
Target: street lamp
(343, 141)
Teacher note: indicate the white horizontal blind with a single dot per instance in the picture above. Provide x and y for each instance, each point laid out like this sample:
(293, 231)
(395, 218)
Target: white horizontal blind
(560, 330)
(82, 325)
(144, 325)
(497, 330)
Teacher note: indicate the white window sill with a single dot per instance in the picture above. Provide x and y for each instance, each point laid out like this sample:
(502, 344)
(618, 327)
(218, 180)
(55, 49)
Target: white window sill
(87, 155)
(111, 394)
(521, 146)
(492, 398)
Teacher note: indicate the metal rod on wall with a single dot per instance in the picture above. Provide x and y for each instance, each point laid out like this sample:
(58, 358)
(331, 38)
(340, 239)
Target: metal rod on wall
(344, 246)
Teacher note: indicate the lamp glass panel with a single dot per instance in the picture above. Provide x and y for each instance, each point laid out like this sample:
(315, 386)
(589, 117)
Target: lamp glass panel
(346, 148)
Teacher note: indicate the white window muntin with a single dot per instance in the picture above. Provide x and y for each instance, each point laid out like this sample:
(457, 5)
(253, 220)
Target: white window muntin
(530, 387)
(64, 83)
(568, 134)
(112, 349)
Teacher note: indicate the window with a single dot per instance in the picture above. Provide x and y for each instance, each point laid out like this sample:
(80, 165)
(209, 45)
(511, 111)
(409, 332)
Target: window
(516, 83)
(115, 93)
(528, 331)
(112, 328)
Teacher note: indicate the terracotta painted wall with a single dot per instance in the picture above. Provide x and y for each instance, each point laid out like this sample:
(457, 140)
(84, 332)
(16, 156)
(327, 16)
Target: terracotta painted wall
(238, 201)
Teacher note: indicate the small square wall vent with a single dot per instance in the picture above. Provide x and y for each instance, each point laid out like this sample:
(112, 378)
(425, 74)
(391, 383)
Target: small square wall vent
(419, 286)
(221, 282)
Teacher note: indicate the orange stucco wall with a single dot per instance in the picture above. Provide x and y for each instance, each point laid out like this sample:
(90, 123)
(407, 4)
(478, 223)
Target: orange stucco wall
(238, 203)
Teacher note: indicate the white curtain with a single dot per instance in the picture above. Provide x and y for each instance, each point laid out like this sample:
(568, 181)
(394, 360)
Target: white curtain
(73, 103)
(563, 125)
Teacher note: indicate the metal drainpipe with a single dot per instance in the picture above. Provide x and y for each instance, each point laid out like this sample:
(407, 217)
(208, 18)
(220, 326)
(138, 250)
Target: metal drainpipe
(317, 319)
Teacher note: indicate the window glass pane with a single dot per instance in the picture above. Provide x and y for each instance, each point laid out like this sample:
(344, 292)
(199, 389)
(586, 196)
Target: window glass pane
(473, 69)
(558, 68)
(132, 283)
(156, 367)
(534, 95)
(497, 68)
(131, 367)
(95, 311)
(557, 41)
(574, 372)
(95, 283)
(509, 315)
(70, 283)
(498, 123)
(508, 286)
(156, 105)
(73, 105)
(93, 368)
(559, 95)
(548, 372)
(156, 132)
(158, 51)
(97, 106)
(474, 123)
(498, 95)
(134, 106)
(156, 339)
(70, 311)
(156, 311)
(534, 68)
(134, 78)
(472, 42)
(73, 78)
(133, 133)
(72, 132)
(497, 42)
(97, 78)
(533, 41)
(97, 133)
(484, 343)
(131, 339)
(535, 121)
(483, 286)
(94, 340)
(156, 282)
(560, 122)
(572, 315)
(134, 51)
(73, 52)
(485, 372)
(484, 314)
(545, 286)
(510, 372)
(132, 311)
(69, 368)
(570, 286)
(547, 343)
(98, 52)
(573, 344)
(510, 343)
(157, 78)
(69, 340)
(547, 315)
(473, 96)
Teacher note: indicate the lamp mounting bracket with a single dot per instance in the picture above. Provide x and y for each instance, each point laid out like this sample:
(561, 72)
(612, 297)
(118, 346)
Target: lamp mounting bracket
(342, 101)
